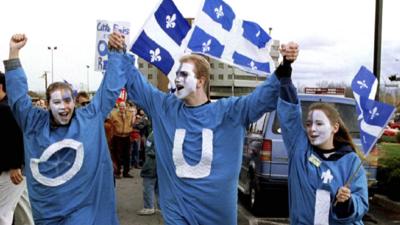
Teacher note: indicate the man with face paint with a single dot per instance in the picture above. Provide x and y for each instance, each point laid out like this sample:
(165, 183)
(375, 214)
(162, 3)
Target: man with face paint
(68, 168)
(322, 158)
(199, 143)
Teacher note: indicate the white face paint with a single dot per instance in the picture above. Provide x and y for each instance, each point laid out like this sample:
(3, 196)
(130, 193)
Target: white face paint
(185, 80)
(61, 106)
(319, 129)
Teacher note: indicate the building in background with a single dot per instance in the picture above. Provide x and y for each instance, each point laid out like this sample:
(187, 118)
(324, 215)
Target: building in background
(225, 80)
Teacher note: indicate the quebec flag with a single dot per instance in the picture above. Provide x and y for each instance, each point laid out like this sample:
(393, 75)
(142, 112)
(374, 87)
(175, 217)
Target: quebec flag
(373, 116)
(218, 33)
(160, 42)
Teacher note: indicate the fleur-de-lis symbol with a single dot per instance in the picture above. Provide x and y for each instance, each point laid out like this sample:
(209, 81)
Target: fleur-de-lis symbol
(253, 65)
(170, 20)
(206, 46)
(219, 12)
(155, 55)
(362, 84)
(327, 177)
(374, 113)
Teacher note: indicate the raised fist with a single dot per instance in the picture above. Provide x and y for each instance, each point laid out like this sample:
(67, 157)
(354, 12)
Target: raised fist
(18, 41)
(290, 51)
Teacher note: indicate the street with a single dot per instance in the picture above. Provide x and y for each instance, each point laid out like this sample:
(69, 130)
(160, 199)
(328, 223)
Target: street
(129, 201)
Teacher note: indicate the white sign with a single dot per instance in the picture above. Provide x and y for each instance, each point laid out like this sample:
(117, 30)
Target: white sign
(104, 29)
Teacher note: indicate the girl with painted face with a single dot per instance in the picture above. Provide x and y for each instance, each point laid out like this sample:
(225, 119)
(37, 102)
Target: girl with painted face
(68, 166)
(61, 103)
(322, 157)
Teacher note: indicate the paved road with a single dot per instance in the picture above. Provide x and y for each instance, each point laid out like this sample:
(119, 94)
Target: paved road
(129, 201)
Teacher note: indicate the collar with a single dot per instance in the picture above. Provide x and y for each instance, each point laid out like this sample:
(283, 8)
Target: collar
(195, 106)
(336, 153)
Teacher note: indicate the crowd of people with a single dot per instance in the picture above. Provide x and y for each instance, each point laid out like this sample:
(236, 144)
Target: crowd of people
(189, 148)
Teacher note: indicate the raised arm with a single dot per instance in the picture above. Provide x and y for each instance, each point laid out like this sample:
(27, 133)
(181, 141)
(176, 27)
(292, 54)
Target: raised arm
(264, 98)
(113, 81)
(138, 88)
(289, 112)
(17, 86)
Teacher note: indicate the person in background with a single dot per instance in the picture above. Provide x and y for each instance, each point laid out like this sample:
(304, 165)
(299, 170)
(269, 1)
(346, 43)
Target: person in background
(82, 98)
(69, 175)
(322, 158)
(149, 175)
(13, 189)
(122, 121)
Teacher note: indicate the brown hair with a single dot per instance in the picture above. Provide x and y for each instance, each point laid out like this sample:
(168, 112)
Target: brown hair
(83, 94)
(56, 86)
(342, 136)
(201, 65)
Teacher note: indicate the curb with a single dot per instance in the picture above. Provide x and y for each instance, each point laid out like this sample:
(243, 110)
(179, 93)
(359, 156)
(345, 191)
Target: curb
(386, 203)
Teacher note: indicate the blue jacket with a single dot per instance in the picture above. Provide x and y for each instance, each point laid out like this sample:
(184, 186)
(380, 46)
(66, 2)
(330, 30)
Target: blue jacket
(74, 185)
(305, 176)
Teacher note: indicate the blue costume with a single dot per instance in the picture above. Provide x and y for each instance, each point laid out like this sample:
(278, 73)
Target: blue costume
(68, 168)
(308, 168)
(199, 149)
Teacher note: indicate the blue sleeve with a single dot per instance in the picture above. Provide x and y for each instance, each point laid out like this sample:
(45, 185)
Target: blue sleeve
(358, 206)
(113, 81)
(141, 92)
(251, 107)
(25, 114)
(288, 91)
(293, 133)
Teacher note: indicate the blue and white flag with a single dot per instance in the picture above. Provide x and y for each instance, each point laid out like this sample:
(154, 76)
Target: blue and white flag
(373, 116)
(218, 33)
(160, 40)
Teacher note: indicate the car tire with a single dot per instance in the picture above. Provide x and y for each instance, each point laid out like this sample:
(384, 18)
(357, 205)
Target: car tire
(254, 199)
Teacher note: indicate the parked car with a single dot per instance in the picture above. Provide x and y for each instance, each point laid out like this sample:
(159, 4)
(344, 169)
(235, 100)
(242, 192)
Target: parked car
(264, 170)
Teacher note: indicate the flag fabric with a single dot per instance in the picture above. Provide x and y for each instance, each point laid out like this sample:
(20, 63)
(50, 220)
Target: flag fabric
(160, 42)
(373, 116)
(218, 33)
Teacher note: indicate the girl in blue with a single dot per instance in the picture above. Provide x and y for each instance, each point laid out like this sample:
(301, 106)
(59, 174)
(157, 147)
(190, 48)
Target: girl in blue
(322, 158)
(68, 167)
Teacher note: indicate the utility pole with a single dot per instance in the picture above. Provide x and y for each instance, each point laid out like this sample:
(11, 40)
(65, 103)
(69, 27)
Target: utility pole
(52, 65)
(378, 43)
(88, 88)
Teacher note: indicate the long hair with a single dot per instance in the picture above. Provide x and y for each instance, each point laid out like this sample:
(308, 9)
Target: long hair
(342, 136)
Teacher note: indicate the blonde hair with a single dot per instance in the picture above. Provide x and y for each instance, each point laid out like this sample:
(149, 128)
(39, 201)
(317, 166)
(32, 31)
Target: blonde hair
(201, 66)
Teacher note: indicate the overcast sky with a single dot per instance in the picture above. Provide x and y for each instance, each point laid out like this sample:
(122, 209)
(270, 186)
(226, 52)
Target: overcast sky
(336, 37)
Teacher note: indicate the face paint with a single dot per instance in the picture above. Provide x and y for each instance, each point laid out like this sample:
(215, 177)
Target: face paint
(61, 106)
(319, 129)
(185, 80)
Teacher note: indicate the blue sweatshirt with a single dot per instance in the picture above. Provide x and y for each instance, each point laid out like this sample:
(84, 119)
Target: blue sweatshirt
(306, 176)
(68, 168)
(199, 149)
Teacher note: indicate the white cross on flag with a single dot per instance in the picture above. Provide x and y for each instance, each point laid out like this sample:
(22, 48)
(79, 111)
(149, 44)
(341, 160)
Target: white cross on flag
(218, 33)
(373, 116)
(160, 40)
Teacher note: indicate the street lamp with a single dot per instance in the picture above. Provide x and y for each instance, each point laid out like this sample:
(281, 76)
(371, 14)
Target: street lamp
(52, 66)
(87, 67)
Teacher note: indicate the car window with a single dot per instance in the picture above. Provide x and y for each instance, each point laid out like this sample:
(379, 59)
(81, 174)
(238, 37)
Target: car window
(346, 111)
